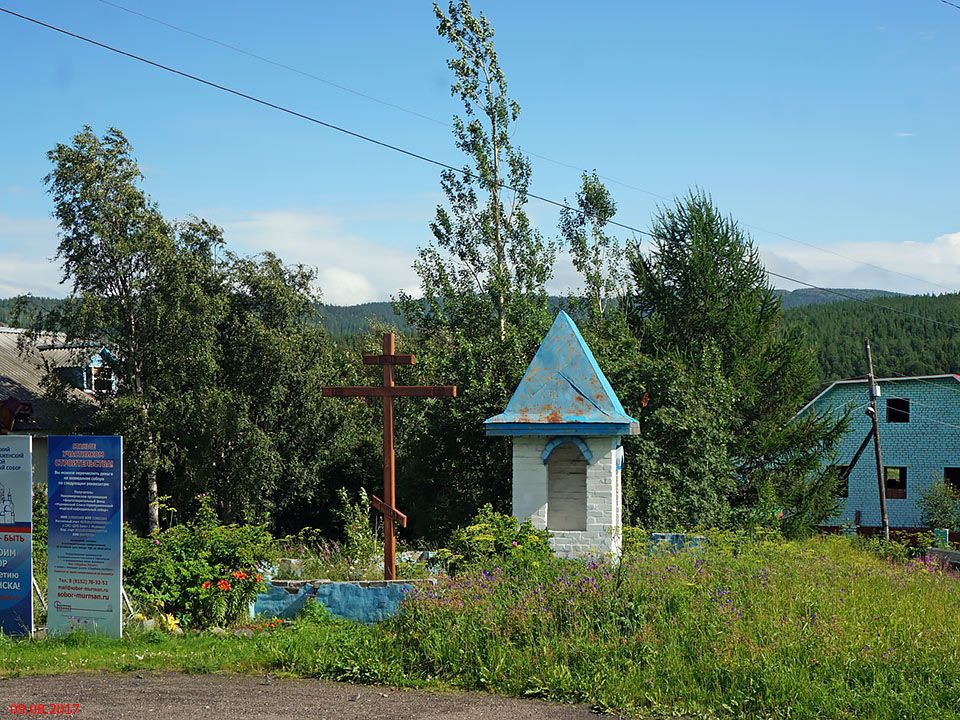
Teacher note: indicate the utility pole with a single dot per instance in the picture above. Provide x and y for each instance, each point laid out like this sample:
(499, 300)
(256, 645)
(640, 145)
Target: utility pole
(874, 391)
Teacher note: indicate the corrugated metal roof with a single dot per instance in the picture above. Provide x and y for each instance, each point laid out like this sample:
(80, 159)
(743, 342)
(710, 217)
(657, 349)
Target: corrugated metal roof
(563, 392)
(21, 376)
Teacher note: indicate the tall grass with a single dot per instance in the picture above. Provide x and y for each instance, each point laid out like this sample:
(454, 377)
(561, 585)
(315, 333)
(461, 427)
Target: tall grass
(780, 629)
(814, 629)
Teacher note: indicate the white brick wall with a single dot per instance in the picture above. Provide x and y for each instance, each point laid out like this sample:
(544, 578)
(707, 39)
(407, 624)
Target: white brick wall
(602, 532)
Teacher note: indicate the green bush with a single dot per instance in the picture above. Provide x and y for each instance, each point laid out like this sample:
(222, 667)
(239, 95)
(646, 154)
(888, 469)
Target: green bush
(202, 573)
(40, 549)
(362, 542)
(494, 538)
(940, 506)
(358, 557)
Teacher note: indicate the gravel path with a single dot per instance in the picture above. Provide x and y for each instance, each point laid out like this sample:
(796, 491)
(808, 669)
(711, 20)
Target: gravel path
(178, 697)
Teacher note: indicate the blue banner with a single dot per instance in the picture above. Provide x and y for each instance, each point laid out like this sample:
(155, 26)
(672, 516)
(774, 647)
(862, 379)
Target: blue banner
(84, 562)
(16, 545)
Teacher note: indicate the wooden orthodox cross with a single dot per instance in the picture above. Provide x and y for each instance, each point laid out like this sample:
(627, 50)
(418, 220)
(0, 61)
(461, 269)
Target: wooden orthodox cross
(388, 391)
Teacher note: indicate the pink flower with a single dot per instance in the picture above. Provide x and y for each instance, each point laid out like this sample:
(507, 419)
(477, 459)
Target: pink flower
(156, 542)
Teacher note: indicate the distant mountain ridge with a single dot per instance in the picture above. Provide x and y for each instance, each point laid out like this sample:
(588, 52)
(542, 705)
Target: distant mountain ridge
(348, 320)
(812, 296)
(345, 320)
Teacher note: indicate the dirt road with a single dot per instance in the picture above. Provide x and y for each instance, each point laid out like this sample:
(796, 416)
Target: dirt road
(178, 697)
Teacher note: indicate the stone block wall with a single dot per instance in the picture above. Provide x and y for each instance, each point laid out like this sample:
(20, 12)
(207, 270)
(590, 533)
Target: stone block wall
(925, 445)
(567, 489)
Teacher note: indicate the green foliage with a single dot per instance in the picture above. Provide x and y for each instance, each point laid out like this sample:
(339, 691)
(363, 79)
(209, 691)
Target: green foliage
(219, 359)
(902, 345)
(39, 538)
(202, 572)
(940, 506)
(362, 541)
(901, 547)
(596, 254)
(494, 539)
(484, 307)
(703, 307)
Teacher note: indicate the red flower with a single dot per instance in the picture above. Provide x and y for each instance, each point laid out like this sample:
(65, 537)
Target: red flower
(259, 577)
(206, 584)
(240, 575)
(223, 585)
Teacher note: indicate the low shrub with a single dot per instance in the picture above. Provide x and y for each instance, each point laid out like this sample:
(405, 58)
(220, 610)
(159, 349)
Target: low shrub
(203, 573)
(493, 538)
(940, 506)
(357, 557)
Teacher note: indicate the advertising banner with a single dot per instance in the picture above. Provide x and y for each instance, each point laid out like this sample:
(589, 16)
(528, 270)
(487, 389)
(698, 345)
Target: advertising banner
(84, 564)
(16, 545)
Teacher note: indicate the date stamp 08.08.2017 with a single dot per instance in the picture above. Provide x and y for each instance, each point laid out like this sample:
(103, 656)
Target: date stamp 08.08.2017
(43, 708)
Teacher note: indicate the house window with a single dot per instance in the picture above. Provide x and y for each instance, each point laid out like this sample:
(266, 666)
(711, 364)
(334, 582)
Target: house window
(99, 379)
(898, 410)
(951, 477)
(896, 482)
(843, 488)
(566, 489)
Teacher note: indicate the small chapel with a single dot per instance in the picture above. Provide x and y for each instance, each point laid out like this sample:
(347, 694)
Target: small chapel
(566, 423)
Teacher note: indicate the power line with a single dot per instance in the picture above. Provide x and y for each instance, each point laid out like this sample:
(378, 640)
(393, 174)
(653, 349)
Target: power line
(951, 4)
(854, 260)
(865, 302)
(302, 116)
(403, 151)
(560, 163)
(275, 63)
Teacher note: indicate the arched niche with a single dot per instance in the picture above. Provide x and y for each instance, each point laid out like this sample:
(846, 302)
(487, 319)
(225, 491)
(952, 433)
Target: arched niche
(567, 488)
(554, 443)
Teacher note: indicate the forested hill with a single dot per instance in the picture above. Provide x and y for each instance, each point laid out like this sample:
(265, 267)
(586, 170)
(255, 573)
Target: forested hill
(814, 296)
(902, 344)
(347, 320)
(344, 320)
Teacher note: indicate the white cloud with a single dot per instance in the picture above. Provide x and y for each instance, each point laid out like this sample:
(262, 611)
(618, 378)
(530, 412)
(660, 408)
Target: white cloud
(27, 246)
(351, 269)
(909, 267)
(342, 287)
(903, 134)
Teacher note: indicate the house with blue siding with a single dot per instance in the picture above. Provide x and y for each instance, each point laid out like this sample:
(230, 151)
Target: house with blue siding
(919, 421)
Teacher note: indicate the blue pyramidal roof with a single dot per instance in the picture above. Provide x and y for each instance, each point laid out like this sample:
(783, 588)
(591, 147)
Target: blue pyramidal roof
(563, 392)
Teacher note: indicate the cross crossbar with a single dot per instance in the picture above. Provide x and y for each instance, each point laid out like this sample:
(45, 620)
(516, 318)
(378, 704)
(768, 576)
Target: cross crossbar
(392, 391)
(388, 511)
(389, 360)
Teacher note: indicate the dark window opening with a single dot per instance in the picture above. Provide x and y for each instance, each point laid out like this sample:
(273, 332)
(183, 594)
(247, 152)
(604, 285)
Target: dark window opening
(843, 484)
(896, 484)
(99, 379)
(951, 477)
(898, 410)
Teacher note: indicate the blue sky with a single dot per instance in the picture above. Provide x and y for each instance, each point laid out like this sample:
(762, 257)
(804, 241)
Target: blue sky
(835, 124)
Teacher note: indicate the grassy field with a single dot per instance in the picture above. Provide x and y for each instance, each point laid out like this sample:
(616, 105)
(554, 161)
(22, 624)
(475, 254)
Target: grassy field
(744, 629)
